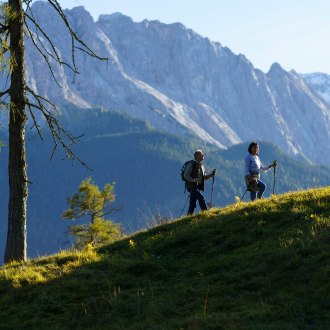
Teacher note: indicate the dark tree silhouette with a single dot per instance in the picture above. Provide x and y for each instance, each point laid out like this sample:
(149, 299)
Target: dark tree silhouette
(17, 20)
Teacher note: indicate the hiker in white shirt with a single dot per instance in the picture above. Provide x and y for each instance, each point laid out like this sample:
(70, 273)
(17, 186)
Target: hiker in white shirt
(252, 169)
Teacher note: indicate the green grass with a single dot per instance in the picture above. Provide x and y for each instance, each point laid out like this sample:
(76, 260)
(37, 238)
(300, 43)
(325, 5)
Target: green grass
(260, 265)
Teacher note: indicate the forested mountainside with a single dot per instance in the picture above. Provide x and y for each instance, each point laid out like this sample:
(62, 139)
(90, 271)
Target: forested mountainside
(145, 164)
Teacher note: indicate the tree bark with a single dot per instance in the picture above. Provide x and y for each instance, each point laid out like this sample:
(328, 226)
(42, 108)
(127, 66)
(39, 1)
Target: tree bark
(18, 191)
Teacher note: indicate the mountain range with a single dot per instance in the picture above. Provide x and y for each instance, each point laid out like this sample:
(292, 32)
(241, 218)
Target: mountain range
(164, 92)
(145, 165)
(181, 83)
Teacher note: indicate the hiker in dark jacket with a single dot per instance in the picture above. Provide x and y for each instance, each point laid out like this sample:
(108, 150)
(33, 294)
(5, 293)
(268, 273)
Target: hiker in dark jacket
(253, 166)
(195, 176)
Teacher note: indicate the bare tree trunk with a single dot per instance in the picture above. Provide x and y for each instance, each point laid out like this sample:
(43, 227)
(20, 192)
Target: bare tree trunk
(16, 235)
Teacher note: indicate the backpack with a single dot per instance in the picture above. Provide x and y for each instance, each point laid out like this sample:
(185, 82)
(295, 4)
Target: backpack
(184, 166)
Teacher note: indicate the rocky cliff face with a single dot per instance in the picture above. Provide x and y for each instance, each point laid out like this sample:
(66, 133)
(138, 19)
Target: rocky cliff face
(181, 83)
(320, 82)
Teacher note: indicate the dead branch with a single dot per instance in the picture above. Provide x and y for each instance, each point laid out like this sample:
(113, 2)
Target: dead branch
(59, 134)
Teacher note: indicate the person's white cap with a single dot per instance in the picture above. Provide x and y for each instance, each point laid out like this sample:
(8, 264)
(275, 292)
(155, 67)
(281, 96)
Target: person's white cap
(198, 152)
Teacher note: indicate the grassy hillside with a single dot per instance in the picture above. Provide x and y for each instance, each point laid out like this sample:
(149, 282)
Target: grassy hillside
(144, 163)
(261, 265)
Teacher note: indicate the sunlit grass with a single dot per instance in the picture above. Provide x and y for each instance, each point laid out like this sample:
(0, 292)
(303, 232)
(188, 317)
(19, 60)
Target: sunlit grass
(259, 265)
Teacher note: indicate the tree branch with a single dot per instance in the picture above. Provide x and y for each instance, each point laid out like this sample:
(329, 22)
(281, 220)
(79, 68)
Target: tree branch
(46, 48)
(3, 28)
(74, 39)
(43, 55)
(6, 92)
(57, 57)
(74, 36)
(59, 134)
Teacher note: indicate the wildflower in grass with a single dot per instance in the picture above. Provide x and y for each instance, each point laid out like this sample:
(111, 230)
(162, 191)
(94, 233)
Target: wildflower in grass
(237, 199)
(131, 243)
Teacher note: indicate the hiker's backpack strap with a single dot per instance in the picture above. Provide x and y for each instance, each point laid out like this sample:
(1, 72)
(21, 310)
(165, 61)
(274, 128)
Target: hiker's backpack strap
(193, 167)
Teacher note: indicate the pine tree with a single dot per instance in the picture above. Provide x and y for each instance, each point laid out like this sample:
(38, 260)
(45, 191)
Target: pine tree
(95, 204)
(13, 20)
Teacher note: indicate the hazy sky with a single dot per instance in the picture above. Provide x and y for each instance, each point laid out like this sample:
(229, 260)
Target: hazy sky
(294, 33)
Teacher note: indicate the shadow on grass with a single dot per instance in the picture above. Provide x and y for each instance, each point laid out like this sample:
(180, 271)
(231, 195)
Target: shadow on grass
(255, 266)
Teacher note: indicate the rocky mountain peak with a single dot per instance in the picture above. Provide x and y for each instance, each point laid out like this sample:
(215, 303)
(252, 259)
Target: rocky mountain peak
(116, 19)
(185, 84)
(276, 70)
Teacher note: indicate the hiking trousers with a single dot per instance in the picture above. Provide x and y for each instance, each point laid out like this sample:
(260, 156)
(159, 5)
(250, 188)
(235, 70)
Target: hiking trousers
(196, 195)
(262, 188)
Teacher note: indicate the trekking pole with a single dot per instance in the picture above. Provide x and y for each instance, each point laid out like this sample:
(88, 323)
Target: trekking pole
(212, 189)
(244, 194)
(184, 205)
(246, 190)
(275, 164)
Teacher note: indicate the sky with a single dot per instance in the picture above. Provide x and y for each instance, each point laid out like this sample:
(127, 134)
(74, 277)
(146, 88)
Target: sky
(294, 33)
